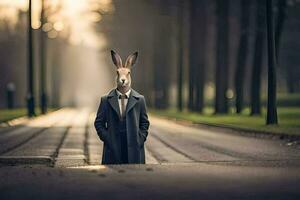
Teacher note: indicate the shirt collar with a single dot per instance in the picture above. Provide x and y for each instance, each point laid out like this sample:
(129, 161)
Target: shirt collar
(127, 93)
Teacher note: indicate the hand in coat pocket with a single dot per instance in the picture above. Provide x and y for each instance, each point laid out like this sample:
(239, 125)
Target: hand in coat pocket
(141, 139)
(105, 137)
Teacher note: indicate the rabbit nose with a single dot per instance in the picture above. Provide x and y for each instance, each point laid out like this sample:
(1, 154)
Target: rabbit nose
(123, 80)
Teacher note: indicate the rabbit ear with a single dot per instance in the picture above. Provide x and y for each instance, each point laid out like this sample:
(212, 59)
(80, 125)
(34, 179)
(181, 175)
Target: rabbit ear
(116, 59)
(130, 61)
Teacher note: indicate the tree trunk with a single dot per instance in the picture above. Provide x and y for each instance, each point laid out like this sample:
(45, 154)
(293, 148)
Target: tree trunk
(242, 55)
(221, 104)
(197, 55)
(162, 58)
(193, 51)
(30, 90)
(43, 81)
(279, 25)
(180, 57)
(258, 58)
(271, 108)
(200, 76)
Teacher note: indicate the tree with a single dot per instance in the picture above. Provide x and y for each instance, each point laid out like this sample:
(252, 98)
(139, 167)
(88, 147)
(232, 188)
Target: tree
(221, 79)
(282, 4)
(30, 90)
(281, 16)
(162, 57)
(242, 55)
(180, 56)
(197, 55)
(271, 107)
(200, 68)
(43, 81)
(192, 63)
(258, 58)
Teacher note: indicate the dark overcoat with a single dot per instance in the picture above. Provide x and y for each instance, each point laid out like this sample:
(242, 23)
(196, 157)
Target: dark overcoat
(137, 124)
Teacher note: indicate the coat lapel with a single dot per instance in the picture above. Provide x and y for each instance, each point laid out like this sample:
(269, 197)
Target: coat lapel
(113, 100)
(133, 99)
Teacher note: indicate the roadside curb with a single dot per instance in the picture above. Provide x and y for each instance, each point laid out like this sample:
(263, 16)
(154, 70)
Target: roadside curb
(14, 122)
(32, 160)
(252, 133)
(235, 130)
(22, 119)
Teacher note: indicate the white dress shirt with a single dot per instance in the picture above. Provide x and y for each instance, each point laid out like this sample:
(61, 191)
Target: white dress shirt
(125, 100)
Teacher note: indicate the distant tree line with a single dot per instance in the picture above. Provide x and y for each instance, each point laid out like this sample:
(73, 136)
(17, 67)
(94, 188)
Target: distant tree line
(250, 54)
(187, 48)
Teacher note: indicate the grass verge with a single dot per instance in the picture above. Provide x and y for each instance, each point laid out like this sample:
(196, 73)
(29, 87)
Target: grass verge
(289, 119)
(9, 114)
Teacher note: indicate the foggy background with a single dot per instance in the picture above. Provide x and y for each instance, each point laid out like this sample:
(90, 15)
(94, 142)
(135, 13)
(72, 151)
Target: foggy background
(79, 66)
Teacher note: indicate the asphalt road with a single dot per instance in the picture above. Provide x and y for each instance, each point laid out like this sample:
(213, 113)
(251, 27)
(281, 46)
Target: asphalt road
(58, 156)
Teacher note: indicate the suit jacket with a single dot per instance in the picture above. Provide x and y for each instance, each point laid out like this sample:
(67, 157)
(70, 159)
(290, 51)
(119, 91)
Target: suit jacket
(137, 125)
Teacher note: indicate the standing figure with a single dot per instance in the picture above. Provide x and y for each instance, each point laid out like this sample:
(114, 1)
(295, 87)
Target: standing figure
(122, 121)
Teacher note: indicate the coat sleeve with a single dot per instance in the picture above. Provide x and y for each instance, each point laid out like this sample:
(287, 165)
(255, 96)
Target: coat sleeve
(144, 122)
(100, 121)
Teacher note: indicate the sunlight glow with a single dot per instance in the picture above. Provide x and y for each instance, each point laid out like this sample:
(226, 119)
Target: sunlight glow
(229, 94)
(83, 67)
(52, 34)
(58, 26)
(72, 19)
(89, 167)
(47, 27)
(36, 10)
(9, 10)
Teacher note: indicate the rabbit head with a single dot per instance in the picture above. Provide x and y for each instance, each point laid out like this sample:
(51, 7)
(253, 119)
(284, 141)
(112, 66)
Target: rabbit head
(123, 78)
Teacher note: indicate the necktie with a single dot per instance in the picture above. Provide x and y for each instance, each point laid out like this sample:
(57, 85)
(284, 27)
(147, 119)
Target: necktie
(123, 97)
